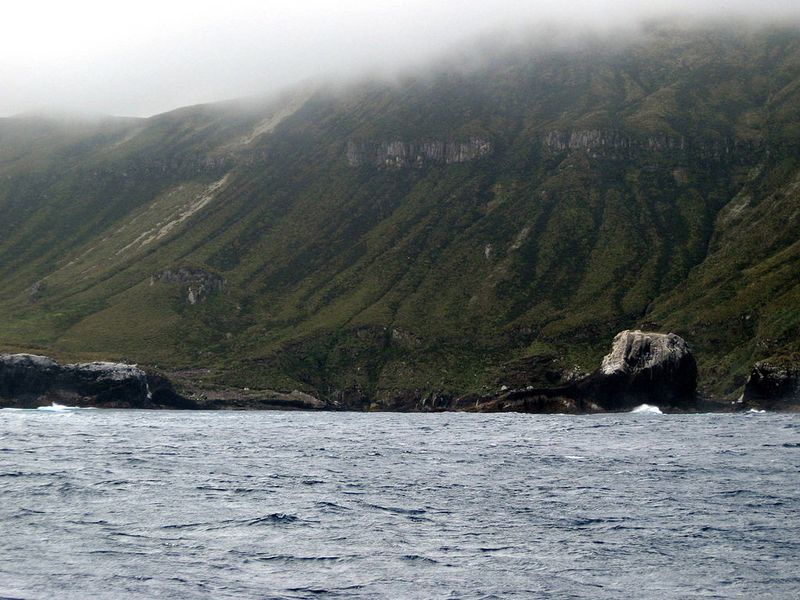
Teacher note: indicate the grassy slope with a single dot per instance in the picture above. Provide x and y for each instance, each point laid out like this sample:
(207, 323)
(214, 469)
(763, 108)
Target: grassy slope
(448, 277)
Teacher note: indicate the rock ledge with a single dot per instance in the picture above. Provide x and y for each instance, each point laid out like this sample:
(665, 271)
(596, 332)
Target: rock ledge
(29, 381)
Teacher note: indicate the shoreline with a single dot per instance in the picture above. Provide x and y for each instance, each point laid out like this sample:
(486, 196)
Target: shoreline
(642, 369)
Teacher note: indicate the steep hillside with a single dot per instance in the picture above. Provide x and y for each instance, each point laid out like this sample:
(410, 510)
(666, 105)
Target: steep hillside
(473, 227)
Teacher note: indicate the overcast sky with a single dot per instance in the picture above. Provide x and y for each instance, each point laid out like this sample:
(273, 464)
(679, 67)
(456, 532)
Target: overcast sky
(141, 57)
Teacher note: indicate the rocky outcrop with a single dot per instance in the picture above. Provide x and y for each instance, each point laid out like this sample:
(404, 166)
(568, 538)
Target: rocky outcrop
(37, 291)
(645, 367)
(596, 143)
(609, 140)
(31, 381)
(199, 283)
(772, 387)
(557, 401)
(618, 144)
(28, 380)
(238, 399)
(399, 153)
(642, 368)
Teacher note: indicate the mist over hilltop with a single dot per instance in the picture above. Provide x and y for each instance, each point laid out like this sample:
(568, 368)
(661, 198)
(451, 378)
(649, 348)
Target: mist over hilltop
(151, 57)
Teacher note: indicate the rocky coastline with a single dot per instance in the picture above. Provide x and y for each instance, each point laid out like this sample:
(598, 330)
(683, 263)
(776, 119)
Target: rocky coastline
(31, 381)
(657, 369)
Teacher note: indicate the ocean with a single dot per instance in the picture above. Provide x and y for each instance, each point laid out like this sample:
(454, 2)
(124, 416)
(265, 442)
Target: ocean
(162, 504)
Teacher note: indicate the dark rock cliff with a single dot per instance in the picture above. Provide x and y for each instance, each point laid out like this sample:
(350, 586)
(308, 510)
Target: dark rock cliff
(772, 387)
(31, 381)
(28, 381)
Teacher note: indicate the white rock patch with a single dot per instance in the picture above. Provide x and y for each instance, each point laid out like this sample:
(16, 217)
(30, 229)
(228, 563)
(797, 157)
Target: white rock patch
(176, 218)
(638, 350)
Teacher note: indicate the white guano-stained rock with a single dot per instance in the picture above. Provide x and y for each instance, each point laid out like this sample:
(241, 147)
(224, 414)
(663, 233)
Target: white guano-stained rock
(28, 360)
(634, 350)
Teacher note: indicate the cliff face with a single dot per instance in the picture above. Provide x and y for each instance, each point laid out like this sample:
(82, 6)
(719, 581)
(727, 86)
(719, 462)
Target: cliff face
(399, 154)
(617, 144)
(609, 140)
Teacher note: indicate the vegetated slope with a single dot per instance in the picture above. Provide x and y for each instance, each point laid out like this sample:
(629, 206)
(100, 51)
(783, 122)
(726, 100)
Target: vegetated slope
(475, 226)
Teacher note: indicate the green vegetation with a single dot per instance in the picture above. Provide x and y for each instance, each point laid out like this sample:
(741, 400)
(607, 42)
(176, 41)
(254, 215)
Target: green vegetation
(650, 183)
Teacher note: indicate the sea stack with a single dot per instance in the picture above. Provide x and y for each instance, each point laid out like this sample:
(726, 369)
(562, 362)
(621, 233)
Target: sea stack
(646, 367)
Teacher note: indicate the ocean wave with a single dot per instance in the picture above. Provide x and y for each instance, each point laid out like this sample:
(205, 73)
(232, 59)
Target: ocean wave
(276, 518)
(54, 407)
(647, 409)
(419, 559)
(545, 491)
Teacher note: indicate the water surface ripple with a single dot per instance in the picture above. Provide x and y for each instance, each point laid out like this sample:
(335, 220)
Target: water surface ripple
(136, 504)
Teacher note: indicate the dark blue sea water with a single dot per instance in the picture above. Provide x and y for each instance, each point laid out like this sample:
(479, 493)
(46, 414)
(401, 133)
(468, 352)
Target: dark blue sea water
(135, 504)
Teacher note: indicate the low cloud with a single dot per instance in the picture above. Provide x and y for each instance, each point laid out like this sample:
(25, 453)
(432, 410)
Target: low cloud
(147, 57)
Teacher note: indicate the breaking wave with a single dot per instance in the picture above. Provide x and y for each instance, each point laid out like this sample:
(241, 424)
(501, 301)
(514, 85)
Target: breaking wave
(63, 408)
(647, 409)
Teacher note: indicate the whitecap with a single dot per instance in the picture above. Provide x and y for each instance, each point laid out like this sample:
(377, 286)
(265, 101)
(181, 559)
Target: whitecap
(647, 409)
(54, 407)
(756, 412)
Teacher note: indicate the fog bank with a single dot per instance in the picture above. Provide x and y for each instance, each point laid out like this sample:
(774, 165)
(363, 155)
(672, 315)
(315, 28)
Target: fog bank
(145, 57)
